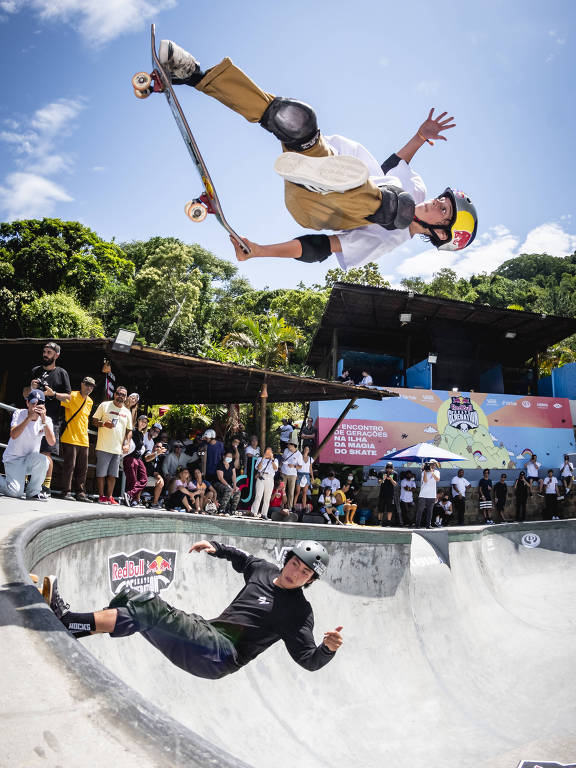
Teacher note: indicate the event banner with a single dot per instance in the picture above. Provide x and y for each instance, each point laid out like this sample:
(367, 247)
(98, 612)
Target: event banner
(490, 431)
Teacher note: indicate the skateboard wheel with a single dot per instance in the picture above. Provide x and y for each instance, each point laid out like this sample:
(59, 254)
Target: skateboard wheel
(141, 81)
(196, 211)
(141, 94)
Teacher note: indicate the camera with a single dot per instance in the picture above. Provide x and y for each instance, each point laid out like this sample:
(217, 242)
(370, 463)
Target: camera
(427, 467)
(41, 385)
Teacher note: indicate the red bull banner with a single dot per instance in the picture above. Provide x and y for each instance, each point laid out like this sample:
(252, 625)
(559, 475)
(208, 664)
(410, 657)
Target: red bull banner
(492, 431)
(143, 570)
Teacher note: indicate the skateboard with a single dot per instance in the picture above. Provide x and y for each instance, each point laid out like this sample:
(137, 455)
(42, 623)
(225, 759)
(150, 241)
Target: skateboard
(158, 81)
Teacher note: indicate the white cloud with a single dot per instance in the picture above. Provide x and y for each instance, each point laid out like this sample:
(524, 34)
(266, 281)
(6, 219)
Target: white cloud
(35, 145)
(27, 195)
(489, 251)
(551, 239)
(97, 21)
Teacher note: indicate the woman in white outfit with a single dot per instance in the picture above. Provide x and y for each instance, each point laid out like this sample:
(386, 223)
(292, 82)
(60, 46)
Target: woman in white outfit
(266, 468)
(304, 476)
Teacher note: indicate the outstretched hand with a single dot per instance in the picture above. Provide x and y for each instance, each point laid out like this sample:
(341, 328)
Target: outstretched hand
(203, 546)
(431, 127)
(333, 640)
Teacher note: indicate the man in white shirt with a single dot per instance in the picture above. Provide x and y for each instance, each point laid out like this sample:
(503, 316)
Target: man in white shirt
(532, 468)
(366, 380)
(550, 484)
(176, 458)
(459, 485)
(332, 182)
(285, 431)
(22, 454)
(428, 492)
(291, 462)
(567, 474)
(407, 487)
(253, 449)
(331, 482)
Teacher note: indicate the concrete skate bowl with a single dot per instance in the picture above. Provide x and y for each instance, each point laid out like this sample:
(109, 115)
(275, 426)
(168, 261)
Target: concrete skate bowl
(459, 645)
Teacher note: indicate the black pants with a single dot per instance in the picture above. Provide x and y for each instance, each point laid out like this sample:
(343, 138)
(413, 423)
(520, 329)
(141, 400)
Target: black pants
(424, 505)
(459, 507)
(407, 513)
(550, 505)
(186, 639)
(521, 509)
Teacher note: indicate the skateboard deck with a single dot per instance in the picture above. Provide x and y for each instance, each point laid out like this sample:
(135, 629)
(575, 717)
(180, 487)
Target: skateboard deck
(158, 81)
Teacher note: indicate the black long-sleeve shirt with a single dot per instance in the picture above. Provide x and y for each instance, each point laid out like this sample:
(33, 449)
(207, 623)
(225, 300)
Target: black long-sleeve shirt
(262, 613)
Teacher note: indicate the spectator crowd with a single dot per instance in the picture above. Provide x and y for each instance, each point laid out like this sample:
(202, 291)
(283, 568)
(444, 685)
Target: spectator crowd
(207, 474)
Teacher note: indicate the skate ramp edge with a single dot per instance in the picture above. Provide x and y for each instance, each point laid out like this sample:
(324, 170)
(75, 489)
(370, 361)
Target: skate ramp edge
(437, 605)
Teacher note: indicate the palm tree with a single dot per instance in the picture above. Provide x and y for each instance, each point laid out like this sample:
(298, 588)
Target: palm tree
(267, 339)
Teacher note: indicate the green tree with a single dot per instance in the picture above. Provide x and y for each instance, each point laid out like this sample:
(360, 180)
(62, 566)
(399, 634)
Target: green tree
(269, 339)
(49, 255)
(367, 274)
(59, 315)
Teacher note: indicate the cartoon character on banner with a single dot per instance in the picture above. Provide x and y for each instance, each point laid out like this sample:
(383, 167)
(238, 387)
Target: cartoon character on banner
(463, 428)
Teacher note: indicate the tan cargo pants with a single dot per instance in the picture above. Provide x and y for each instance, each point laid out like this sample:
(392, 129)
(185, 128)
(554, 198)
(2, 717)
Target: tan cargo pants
(336, 210)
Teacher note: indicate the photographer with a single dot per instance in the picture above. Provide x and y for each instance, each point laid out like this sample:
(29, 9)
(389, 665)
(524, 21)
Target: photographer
(54, 382)
(386, 496)
(428, 492)
(29, 427)
(266, 468)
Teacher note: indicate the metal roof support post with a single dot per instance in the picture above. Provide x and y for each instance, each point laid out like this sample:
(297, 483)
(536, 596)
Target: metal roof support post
(535, 373)
(334, 353)
(263, 403)
(335, 426)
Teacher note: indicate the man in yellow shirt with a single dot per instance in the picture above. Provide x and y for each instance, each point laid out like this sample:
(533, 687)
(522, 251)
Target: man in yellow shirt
(74, 440)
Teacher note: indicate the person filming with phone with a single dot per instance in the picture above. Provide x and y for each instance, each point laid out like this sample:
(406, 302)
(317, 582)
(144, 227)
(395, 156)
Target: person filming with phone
(114, 423)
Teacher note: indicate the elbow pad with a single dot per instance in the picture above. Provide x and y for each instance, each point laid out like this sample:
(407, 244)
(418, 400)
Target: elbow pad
(314, 248)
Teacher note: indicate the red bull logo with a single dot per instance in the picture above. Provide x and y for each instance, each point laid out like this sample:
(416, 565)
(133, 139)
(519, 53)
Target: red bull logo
(144, 570)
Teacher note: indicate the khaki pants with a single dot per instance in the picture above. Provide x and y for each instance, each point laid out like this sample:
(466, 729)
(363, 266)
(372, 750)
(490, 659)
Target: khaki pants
(290, 483)
(336, 210)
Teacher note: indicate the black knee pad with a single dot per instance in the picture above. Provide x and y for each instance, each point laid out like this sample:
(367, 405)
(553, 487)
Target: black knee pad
(293, 122)
(126, 624)
(396, 210)
(314, 248)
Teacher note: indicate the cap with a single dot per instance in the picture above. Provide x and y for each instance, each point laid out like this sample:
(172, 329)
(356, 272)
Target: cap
(156, 425)
(36, 396)
(89, 380)
(136, 395)
(177, 443)
(52, 345)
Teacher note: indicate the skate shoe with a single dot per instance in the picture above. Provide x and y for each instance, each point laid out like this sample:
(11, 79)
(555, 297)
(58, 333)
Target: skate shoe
(180, 64)
(336, 173)
(53, 598)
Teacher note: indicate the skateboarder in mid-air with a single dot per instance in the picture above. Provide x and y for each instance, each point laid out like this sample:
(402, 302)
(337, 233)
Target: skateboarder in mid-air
(333, 183)
(270, 607)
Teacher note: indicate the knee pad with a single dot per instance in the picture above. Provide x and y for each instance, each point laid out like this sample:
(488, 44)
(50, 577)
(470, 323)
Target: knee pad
(396, 210)
(293, 122)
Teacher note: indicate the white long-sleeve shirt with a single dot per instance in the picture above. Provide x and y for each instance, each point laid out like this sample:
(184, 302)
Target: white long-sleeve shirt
(369, 243)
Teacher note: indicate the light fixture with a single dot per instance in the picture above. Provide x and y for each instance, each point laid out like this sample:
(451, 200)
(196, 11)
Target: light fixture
(123, 340)
(432, 358)
(405, 317)
(455, 389)
(510, 335)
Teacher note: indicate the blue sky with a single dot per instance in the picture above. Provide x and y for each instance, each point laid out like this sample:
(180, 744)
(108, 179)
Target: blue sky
(75, 143)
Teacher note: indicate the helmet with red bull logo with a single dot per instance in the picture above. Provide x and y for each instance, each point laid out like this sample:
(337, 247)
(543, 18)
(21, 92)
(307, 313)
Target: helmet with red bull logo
(463, 226)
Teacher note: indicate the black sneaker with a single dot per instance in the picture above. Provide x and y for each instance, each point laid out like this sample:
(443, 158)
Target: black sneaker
(53, 598)
(39, 497)
(46, 491)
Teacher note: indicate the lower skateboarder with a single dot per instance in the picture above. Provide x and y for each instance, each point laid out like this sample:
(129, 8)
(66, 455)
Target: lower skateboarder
(333, 183)
(270, 607)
